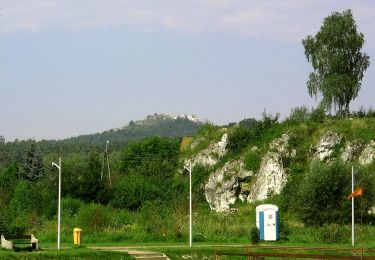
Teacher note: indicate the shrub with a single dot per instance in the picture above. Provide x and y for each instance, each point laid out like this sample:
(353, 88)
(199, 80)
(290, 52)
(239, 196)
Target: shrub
(318, 115)
(132, 192)
(239, 139)
(93, 217)
(324, 190)
(154, 219)
(284, 230)
(254, 235)
(252, 161)
(200, 176)
(19, 225)
(248, 122)
(3, 224)
(251, 132)
(299, 114)
(199, 237)
(71, 206)
(361, 113)
(333, 233)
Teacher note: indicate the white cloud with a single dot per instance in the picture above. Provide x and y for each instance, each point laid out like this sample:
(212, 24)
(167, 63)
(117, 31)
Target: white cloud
(287, 20)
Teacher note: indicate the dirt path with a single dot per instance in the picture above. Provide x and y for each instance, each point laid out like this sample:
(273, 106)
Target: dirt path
(132, 251)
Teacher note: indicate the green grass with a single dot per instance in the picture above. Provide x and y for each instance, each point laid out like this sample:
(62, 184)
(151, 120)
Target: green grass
(64, 253)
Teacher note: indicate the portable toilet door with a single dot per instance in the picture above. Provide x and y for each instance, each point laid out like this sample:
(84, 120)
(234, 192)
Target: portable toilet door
(267, 221)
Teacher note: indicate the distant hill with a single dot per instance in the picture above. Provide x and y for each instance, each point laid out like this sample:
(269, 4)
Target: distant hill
(158, 124)
(166, 125)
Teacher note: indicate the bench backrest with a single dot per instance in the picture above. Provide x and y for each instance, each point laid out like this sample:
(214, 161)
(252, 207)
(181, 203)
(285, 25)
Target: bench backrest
(14, 237)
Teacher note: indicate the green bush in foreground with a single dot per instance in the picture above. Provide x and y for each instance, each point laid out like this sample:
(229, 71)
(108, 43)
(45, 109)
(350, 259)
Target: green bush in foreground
(254, 235)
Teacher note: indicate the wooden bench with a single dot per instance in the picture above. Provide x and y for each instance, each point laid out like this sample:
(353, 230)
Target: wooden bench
(11, 241)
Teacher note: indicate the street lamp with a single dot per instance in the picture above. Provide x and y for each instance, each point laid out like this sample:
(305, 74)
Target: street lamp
(59, 204)
(190, 210)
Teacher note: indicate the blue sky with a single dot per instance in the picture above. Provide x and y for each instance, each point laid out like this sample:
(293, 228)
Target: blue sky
(75, 67)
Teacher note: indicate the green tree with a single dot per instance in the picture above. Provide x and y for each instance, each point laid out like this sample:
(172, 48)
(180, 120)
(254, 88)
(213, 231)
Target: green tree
(32, 166)
(91, 188)
(148, 167)
(339, 65)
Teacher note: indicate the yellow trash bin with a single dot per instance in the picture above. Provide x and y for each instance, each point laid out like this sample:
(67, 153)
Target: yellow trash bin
(77, 236)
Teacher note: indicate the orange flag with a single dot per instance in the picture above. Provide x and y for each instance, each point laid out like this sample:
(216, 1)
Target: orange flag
(357, 192)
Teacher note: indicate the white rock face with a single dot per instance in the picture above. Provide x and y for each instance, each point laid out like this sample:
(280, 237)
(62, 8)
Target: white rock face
(368, 154)
(271, 178)
(351, 149)
(210, 155)
(222, 187)
(327, 144)
(281, 144)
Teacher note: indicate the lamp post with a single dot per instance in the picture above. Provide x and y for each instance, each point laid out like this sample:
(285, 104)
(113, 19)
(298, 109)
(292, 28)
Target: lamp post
(190, 208)
(59, 204)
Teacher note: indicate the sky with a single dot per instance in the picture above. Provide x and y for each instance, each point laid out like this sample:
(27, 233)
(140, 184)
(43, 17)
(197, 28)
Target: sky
(71, 67)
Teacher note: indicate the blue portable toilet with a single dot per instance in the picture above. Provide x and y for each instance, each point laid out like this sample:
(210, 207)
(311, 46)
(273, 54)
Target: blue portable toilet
(267, 221)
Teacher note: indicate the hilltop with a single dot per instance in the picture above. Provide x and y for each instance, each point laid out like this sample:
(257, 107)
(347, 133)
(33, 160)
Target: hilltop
(166, 125)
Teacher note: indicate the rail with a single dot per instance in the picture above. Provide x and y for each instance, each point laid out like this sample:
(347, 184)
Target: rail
(293, 252)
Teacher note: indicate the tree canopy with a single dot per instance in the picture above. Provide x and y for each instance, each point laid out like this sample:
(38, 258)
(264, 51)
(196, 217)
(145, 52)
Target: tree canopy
(337, 60)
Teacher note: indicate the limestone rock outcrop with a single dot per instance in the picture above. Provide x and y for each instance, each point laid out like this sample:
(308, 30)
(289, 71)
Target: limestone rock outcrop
(223, 185)
(327, 144)
(232, 181)
(351, 149)
(270, 179)
(210, 155)
(368, 154)
(280, 145)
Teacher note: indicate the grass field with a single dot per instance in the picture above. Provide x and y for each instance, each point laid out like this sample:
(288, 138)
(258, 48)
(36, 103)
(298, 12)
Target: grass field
(174, 250)
(64, 253)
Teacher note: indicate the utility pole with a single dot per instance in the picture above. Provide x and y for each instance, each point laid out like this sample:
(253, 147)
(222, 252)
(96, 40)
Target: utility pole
(352, 206)
(190, 207)
(59, 204)
(106, 157)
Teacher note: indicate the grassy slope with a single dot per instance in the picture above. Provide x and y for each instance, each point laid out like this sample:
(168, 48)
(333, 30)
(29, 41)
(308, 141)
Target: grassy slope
(235, 227)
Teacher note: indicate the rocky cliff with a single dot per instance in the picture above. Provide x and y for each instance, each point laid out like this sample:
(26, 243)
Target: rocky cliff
(230, 180)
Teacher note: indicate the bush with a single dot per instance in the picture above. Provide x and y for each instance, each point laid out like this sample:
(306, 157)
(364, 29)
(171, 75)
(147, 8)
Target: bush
(284, 230)
(254, 235)
(18, 226)
(318, 115)
(154, 218)
(252, 161)
(251, 132)
(199, 237)
(239, 139)
(71, 206)
(324, 190)
(299, 114)
(200, 176)
(93, 217)
(132, 192)
(3, 224)
(333, 233)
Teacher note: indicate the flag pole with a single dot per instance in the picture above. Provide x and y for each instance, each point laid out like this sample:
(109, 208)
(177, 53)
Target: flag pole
(352, 206)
